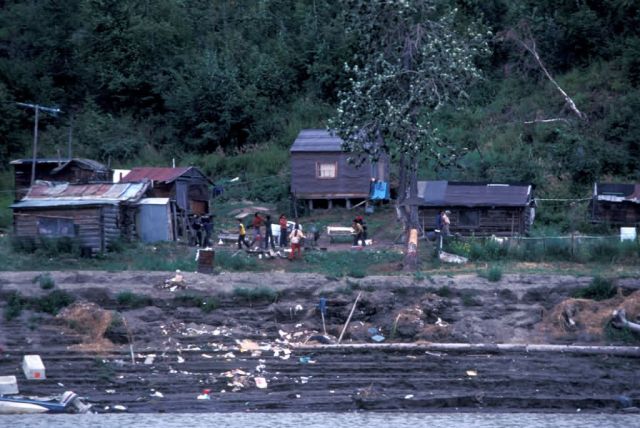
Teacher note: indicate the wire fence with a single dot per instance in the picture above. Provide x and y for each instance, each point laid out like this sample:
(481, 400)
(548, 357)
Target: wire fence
(574, 247)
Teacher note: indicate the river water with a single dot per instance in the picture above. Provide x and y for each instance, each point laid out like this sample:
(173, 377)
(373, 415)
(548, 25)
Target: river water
(324, 420)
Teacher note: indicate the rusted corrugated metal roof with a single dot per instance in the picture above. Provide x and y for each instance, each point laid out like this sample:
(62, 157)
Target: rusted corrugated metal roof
(45, 193)
(617, 192)
(317, 140)
(451, 194)
(166, 175)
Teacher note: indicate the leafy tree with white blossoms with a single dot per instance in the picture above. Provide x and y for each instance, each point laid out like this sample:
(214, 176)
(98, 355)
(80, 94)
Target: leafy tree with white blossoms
(413, 58)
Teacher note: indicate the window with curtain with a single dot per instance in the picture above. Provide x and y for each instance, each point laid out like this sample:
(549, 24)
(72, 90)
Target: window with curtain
(326, 170)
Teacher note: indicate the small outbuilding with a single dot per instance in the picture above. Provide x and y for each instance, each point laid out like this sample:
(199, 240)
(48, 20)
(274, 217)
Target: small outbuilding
(74, 170)
(187, 188)
(480, 209)
(615, 204)
(93, 214)
(322, 175)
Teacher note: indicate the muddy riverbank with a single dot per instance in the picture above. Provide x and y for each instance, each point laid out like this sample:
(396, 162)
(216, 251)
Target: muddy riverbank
(227, 332)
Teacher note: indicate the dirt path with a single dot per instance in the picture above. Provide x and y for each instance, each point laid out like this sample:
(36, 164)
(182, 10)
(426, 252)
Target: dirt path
(195, 350)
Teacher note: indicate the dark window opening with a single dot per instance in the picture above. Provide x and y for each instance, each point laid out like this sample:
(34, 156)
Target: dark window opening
(469, 218)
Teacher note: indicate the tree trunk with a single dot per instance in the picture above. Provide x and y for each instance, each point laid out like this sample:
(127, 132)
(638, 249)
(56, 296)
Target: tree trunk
(411, 222)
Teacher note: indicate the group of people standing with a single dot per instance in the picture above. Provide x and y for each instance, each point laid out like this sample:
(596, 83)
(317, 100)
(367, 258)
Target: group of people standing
(258, 222)
(202, 229)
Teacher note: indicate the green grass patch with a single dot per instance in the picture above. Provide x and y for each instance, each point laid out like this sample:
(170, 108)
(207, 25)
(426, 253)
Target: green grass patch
(50, 303)
(254, 295)
(600, 288)
(206, 304)
(45, 281)
(469, 299)
(356, 264)
(131, 300)
(492, 274)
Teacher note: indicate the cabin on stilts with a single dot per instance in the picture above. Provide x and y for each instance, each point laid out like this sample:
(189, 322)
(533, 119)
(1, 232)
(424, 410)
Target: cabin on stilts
(323, 176)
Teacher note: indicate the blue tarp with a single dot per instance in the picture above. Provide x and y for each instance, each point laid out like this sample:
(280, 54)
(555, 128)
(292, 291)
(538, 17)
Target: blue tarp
(379, 191)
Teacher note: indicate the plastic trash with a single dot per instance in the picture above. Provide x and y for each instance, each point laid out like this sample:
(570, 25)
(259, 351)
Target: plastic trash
(120, 408)
(624, 401)
(33, 368)
(158, 394)
(305, 360)
(472, 373)
(261, 382)
(8, 385)
(377, 338)
(408, 396)
(205, 395)
(149, 359)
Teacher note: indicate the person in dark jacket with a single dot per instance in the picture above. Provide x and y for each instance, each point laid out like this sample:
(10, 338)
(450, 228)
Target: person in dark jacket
(207, 226)
(268, 233)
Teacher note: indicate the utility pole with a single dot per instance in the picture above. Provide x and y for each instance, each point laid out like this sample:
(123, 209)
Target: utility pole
(52, 110)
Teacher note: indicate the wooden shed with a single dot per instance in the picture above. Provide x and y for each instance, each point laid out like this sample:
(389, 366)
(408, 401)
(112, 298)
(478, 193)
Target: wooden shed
(93, 214)
(74, 170)
(186, 187)
(322, 174)
(480, 209)
(616, 204)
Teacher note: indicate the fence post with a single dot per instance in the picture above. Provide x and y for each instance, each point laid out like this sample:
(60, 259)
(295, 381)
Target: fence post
(572, 244)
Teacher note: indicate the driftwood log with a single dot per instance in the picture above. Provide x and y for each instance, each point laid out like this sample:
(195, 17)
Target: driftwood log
(619, 320)
(475, 347)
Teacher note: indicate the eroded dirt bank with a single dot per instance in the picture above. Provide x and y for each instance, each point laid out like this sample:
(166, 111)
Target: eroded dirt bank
(253, 321)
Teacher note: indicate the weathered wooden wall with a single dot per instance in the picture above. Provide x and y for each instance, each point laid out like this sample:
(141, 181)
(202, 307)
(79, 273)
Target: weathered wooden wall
(502, 221)
(351, 182)
(615, 213)
(96, 226)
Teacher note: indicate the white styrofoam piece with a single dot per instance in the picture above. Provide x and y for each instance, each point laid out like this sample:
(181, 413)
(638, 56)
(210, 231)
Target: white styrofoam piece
(628, 234)
(33, 368)
(8, 385)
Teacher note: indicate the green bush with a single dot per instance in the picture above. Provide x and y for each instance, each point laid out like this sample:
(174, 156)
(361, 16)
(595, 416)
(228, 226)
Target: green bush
(53, 302)
(130, 300)
(492, 274)
(487, 250)
(21, 244)
(45, 280)
(357, 272)
(599, 289)
(52, 247)
(15, 304)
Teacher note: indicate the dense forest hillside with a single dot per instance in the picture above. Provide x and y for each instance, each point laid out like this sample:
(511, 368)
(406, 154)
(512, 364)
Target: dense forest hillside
(227, 85)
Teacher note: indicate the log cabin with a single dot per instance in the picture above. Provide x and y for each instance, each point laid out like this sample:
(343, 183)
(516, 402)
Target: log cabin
(615, 204)
(478, 209)
(93, 215)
